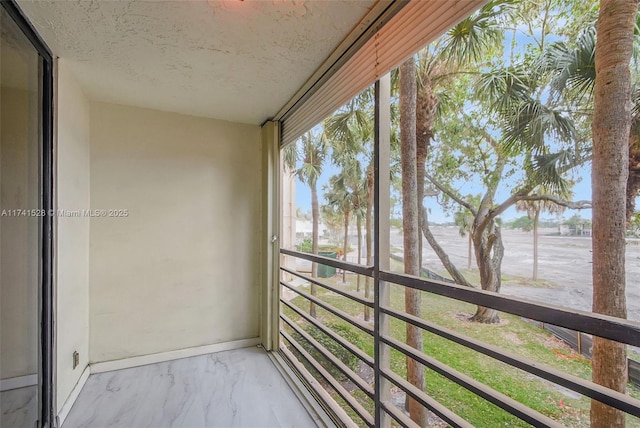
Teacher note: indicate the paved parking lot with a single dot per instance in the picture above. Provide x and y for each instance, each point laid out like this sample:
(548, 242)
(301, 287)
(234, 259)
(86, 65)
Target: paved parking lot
(563, 260)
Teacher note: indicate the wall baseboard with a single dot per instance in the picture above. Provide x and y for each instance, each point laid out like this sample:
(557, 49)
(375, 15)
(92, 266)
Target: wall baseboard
(75, 392)
(143, 360)
(18, 382)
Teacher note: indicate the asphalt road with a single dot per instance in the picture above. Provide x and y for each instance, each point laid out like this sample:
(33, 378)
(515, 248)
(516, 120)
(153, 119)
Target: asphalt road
(563, 260)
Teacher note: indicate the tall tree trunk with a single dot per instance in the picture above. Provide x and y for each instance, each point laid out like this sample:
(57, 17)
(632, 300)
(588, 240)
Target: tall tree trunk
(426, 107)
(315, 215)
(610, 169)
(369, 231)
(345, 244)
(633, 182)
(410, 217)
(536, 219)
(359, 227)
(489, 253)
(440, 252)
(421, 159)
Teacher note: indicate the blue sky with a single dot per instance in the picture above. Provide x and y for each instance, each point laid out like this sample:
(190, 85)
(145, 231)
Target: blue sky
(582, 191)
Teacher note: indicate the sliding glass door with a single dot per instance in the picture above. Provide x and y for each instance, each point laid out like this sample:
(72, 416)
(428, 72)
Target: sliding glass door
(25, 225)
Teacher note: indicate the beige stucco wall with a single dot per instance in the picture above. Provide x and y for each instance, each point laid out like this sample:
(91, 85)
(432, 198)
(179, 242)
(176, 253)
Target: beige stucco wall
(182, 269)
(72, 246)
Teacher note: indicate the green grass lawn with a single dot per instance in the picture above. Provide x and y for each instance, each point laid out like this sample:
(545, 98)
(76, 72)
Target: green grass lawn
(512, 334)
(473, 276)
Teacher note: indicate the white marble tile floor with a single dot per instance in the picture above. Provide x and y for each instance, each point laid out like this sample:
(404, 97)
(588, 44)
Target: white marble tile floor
(19, 407)
(239, 388)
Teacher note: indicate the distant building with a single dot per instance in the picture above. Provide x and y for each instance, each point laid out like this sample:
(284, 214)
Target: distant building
(575, 229)
(304, 229)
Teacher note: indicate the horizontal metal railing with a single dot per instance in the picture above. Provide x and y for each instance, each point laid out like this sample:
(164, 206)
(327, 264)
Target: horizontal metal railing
(337, 312)
(365, 387)
(599, 325)
(366, 302)
(351, 267)
(491, 395)
(616, 329)
(336, 337)
(584, 387)
(397, 415)
(346, 396)
(428, 402)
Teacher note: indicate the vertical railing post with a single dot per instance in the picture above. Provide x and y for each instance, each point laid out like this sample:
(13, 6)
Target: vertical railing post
(580, 343)
(382, 213)
(270, 263)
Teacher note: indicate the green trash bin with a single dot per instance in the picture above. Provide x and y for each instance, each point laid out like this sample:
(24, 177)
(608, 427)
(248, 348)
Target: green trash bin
(325, 271)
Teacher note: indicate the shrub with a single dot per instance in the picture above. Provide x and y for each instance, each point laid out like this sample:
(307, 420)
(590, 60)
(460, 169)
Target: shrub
(305, 245)
(344, 330)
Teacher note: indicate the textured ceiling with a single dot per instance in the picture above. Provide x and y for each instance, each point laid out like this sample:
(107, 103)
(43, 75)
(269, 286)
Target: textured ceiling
(227, 59)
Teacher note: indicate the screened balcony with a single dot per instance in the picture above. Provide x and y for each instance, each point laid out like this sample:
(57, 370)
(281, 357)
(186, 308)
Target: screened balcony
(161, 286)
(344, 324)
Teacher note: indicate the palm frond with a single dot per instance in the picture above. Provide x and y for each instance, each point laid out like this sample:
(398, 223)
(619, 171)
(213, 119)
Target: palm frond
(446, 103)
(531, 123)
(503, 88)
(336, 126)
(470, 38)
(290, 156)
(545, 171)
(312, 151)
(572, 68)
(350, 128)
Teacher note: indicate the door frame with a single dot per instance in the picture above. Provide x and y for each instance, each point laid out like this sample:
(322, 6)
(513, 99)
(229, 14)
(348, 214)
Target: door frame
(46, 375)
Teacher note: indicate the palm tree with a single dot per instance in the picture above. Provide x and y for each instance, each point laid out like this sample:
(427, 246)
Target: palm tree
(332, 220)
(533, 209)
(574, 75)
(611, 130)
(350, 131)
(410, 220)
(419, 103)
(410, 224)
(464, 220)
(311, 150)
(360, 210)
(341, 193)
(597, 70)
(359, 189)
(437, 66)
